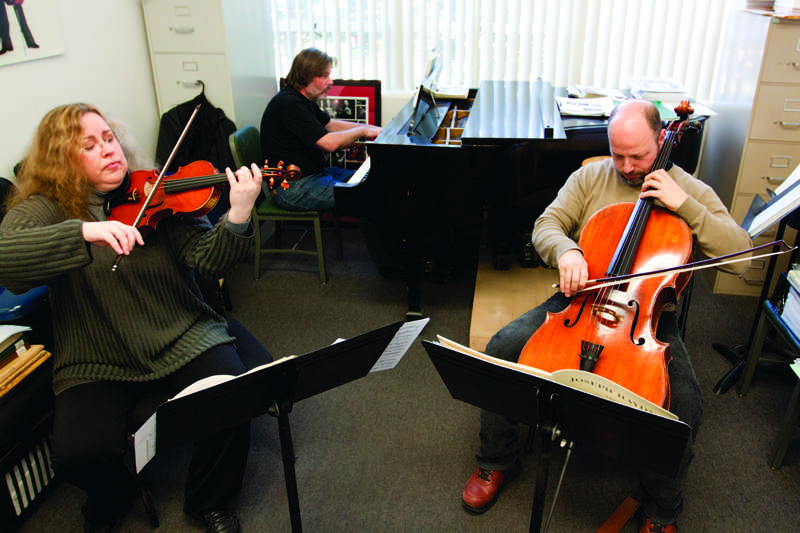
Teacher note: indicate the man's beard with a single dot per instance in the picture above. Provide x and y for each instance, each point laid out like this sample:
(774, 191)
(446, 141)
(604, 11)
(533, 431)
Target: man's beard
(635, 181)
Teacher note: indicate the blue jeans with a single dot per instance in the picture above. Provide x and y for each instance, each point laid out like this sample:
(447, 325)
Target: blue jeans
(662, 496)
(314, 192)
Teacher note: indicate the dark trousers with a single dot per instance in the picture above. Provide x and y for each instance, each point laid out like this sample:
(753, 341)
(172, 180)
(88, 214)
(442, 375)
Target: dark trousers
(90, 445)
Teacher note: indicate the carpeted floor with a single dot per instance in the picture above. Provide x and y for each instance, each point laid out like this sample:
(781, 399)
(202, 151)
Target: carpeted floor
(391, 452)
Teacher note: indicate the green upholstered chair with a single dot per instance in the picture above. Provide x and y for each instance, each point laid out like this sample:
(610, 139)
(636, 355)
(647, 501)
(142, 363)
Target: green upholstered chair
(245, 146)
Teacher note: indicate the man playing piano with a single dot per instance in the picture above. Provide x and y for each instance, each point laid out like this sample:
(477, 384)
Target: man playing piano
(635, 136)
(294, 129)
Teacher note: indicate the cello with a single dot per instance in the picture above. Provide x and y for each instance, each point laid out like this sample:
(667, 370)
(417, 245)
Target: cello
(609, 331)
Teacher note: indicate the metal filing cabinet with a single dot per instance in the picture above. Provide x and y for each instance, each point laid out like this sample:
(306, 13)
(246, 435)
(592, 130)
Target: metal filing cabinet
(772, 145)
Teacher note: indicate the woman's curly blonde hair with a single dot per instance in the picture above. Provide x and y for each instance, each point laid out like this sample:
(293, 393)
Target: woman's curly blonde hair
(52, 165)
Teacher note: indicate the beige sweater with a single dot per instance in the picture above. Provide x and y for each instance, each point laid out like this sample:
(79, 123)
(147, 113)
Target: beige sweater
(598, 185)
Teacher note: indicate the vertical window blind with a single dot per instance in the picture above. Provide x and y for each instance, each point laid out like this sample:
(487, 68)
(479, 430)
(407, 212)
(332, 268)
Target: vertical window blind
(600, 43)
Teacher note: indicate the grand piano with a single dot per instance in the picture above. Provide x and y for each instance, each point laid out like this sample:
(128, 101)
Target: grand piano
(445, 165)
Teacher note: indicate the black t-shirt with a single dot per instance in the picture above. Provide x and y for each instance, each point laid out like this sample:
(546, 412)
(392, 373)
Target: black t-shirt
(290, 127)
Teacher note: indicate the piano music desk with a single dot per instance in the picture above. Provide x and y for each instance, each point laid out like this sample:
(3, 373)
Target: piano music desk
(503, 295)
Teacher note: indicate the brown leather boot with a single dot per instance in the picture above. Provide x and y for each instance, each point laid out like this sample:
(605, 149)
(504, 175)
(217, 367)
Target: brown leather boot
(483, 487)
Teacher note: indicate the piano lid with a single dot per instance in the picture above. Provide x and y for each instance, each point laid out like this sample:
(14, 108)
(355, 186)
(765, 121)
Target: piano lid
(513, 111)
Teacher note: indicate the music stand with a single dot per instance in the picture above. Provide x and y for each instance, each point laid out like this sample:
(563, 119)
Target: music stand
(273, 388)
(737, 354)
(562, 413)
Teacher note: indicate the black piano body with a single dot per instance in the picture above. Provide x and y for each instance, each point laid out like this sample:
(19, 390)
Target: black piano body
(439, 164)
(503, 153)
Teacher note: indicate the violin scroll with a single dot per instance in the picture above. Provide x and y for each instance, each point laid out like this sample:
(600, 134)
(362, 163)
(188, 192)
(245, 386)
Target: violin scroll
(281, 175)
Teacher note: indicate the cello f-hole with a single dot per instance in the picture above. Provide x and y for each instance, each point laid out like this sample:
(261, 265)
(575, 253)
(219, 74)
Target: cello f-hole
(580, 312)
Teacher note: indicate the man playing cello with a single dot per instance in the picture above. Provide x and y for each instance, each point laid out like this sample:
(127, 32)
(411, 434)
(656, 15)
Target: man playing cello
(635, 137)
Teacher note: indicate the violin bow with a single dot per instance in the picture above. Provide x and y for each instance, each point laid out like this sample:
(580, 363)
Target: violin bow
(153, 190)
(599, 283)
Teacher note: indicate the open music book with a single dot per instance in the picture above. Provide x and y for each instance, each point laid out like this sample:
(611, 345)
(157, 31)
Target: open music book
(572, 378)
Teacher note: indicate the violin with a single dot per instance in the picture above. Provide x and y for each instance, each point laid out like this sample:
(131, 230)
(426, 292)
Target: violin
(609, 330)
(192, 191)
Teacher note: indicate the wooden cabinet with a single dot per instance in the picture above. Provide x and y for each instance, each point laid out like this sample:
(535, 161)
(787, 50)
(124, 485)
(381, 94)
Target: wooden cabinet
(224, 48)
(771, 149)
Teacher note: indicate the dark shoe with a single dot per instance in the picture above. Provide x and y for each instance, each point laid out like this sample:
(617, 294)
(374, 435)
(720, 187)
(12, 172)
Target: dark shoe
(112, 527)
(649, 526)
(219, 521)
(483, 487)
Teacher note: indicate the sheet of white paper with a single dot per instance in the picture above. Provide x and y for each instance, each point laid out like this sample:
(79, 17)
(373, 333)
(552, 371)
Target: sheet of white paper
(144, 443)
(6, 330)
(399, 345)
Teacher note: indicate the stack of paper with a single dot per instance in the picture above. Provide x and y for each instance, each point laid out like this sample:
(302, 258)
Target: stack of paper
(658, 89)
(585, 107)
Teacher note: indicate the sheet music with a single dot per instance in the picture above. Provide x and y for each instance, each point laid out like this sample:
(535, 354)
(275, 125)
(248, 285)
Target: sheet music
(144, 443)
(399, 345)
(786, 200)
(361, 173)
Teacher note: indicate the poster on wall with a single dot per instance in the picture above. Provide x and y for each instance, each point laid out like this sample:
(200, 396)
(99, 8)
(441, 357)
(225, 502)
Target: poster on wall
(29, 30)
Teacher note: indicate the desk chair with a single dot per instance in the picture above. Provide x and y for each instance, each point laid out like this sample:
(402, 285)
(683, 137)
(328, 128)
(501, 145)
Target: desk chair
(245, 146)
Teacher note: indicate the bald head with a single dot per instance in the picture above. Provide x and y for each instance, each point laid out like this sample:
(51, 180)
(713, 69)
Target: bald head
(634, 137)
(637, 110)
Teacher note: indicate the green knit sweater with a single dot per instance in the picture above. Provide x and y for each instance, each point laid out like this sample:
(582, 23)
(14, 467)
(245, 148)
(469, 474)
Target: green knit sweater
(140, 323)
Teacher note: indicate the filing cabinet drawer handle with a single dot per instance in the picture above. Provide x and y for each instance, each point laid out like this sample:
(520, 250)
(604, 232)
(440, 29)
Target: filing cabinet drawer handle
(753, 281)
(785, 124)
(770, 179)
(183, 29)
(757, 264)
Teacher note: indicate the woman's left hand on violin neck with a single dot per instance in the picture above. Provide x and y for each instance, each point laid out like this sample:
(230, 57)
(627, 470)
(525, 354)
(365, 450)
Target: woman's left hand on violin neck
(660, 186)
(245, 185)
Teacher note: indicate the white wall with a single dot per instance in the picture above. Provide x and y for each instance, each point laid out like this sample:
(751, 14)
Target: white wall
(105, 63)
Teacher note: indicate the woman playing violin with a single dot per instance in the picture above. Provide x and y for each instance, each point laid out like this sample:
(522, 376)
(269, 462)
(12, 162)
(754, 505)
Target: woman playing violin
(635, 137)
(124, 334)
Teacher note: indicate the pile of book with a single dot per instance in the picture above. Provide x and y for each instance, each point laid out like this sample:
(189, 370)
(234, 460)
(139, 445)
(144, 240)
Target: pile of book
(18, 358)
(791, 304)
(13, 342)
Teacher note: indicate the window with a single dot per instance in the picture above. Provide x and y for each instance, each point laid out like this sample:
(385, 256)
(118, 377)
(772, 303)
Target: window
(601, 43)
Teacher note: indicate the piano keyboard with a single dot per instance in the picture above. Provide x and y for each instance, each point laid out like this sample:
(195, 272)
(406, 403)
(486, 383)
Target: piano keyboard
(29, 477)
(361, 173)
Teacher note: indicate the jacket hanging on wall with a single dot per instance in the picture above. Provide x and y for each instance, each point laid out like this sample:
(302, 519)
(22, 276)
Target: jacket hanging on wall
(207, 138)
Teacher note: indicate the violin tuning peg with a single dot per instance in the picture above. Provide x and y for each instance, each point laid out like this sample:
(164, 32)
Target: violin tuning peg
(284, 184)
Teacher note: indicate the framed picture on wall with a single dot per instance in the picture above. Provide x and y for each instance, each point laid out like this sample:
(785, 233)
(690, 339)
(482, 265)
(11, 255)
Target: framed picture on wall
(29, 30)
(355, 101)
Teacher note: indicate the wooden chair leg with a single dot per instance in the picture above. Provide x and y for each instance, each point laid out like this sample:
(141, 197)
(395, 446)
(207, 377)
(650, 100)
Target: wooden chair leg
(323, 276)
(338, 231)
